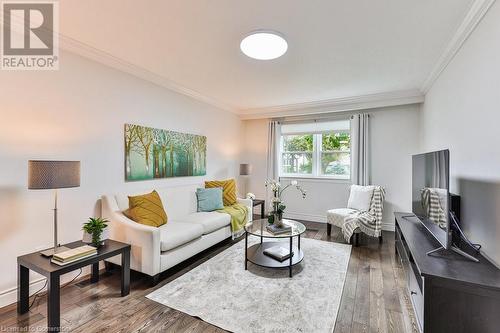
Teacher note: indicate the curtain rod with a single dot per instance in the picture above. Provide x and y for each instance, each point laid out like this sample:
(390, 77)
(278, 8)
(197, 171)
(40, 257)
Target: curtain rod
(318, 117)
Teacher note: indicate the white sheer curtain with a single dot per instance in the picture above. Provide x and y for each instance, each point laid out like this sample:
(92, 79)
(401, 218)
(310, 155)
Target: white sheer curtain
(273, 150)
(360, 149)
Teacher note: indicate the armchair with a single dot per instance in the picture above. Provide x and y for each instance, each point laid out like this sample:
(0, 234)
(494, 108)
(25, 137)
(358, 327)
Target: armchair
(363, 214)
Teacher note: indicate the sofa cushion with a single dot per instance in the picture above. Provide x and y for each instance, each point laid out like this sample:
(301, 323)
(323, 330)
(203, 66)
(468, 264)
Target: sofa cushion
(228, 190)
(174, 234)
(209, 199)
(210, 221)
(336, 216)
(360, 197)
(146, 209)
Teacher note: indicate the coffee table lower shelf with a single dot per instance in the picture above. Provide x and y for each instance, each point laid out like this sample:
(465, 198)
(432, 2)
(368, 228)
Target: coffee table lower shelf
(255, 254)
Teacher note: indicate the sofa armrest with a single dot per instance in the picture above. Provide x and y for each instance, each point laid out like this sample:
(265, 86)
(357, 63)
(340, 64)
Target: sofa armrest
(249, 204)
(144, 240)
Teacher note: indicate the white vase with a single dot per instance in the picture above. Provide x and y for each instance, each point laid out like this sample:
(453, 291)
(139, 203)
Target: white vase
(277, 221)
(87, 238)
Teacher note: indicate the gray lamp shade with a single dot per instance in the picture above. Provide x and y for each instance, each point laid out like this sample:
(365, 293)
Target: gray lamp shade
(53, 174)
(245, 169)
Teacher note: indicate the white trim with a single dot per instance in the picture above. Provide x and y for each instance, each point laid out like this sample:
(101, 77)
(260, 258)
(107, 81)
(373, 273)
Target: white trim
(476, 12)
(311, 179)
(72, 45)
(361, 102)
(388, 226)
(9, 296)
(305, 217)
(385, 99)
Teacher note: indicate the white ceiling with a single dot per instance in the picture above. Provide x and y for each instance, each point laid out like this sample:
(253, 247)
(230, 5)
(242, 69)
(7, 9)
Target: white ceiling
(337, 49)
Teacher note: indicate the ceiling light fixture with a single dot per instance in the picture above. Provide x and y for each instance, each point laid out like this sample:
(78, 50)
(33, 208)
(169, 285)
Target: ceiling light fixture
(264, 45)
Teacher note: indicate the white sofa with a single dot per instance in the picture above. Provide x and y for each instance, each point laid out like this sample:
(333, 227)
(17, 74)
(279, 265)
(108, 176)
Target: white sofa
(187, 232)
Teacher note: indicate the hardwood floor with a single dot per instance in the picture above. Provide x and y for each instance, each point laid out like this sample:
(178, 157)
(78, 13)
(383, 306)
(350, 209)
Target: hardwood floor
(373, 300)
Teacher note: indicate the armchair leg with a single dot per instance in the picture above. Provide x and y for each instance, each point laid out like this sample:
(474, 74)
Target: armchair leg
(354, 240)
(328, 229)
(380, 240)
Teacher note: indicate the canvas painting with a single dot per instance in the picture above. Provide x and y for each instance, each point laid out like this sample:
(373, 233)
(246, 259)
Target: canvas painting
(156, 153)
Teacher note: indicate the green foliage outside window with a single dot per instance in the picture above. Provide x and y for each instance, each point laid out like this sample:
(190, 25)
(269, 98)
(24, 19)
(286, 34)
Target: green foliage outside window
(298, 143)
(336, 141)
(333, 154)
(333, 159)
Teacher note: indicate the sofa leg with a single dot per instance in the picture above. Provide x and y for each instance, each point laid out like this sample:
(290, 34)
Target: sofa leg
(328, 229)
(356, 239)
(155, 279)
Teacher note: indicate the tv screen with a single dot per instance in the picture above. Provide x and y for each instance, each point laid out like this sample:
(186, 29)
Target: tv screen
(430, 193)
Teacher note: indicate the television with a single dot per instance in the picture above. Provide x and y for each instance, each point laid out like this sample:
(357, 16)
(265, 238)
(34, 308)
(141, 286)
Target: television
(430, 193)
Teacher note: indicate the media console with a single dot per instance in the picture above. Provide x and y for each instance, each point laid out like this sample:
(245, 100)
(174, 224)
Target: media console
(448, 292)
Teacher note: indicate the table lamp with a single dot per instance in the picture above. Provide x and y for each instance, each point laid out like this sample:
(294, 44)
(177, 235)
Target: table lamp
(245, 170)
(45, 175)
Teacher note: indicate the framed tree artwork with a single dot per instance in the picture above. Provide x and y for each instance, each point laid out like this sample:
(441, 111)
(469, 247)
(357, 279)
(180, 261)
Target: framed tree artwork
(156, 153)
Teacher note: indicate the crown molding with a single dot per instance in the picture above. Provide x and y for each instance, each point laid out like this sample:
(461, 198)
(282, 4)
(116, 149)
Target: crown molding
(475, 14)
(361, 102)
(74, 46)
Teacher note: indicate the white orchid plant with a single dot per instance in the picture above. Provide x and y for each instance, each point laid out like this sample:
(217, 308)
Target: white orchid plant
(277, 206)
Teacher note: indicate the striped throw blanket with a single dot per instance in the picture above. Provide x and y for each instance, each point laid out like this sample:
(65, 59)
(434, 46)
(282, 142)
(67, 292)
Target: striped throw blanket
(432, 206)
(369, 222)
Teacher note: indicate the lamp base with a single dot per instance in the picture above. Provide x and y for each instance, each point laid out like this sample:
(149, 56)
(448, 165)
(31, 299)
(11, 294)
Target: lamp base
(50, 252)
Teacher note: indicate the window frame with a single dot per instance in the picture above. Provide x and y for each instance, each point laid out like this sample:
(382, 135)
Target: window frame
(316, 157)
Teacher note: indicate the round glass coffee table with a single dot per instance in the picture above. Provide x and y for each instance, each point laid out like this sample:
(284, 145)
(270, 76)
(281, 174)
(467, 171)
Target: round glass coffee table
(255, 253)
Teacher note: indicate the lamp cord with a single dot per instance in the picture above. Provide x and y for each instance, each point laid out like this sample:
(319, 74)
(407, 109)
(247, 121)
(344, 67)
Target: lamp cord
(37, 293)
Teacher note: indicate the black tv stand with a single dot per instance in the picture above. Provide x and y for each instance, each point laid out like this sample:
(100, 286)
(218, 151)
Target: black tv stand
(448, 292)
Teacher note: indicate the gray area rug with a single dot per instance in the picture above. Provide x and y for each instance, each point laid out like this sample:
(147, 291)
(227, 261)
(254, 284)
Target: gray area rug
(222, 293)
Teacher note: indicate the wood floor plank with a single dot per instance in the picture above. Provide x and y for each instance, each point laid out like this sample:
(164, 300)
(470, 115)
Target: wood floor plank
(362, 299)
(374, 298)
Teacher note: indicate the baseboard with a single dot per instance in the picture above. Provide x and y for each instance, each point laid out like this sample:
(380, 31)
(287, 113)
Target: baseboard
(305, 217)
(9, 296)
(386, 226)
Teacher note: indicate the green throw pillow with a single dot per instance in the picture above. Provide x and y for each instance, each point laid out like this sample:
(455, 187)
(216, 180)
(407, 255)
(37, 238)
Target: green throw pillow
(209, 199)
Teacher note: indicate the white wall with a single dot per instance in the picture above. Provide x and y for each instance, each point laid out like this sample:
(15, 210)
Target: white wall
(78, 113)
(394, 138)
(461, 112)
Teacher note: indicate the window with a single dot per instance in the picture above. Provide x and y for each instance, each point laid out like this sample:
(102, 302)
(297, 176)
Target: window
(320, 150)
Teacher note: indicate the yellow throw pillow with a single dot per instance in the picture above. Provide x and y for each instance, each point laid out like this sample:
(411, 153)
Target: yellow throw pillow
(146, 209)
(228, 190)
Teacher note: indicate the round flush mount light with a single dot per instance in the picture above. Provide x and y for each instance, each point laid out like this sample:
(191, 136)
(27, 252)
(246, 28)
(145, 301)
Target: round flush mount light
(264, 45)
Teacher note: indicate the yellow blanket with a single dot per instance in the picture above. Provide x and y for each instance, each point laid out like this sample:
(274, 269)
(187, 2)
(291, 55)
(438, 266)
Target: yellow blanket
(239, 217)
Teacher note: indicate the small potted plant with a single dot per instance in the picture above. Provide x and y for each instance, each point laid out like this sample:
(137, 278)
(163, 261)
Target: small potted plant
(94, 228)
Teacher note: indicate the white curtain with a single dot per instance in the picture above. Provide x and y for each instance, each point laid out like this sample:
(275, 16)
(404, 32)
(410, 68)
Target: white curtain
(273, 150)
(360, 154)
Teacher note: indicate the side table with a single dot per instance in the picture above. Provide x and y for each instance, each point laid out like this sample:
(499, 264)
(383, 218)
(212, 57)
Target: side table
(42, 265)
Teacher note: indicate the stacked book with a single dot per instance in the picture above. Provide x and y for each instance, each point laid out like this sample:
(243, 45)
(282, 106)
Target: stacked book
(278, 230)
(72, 255)
(278, 252)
